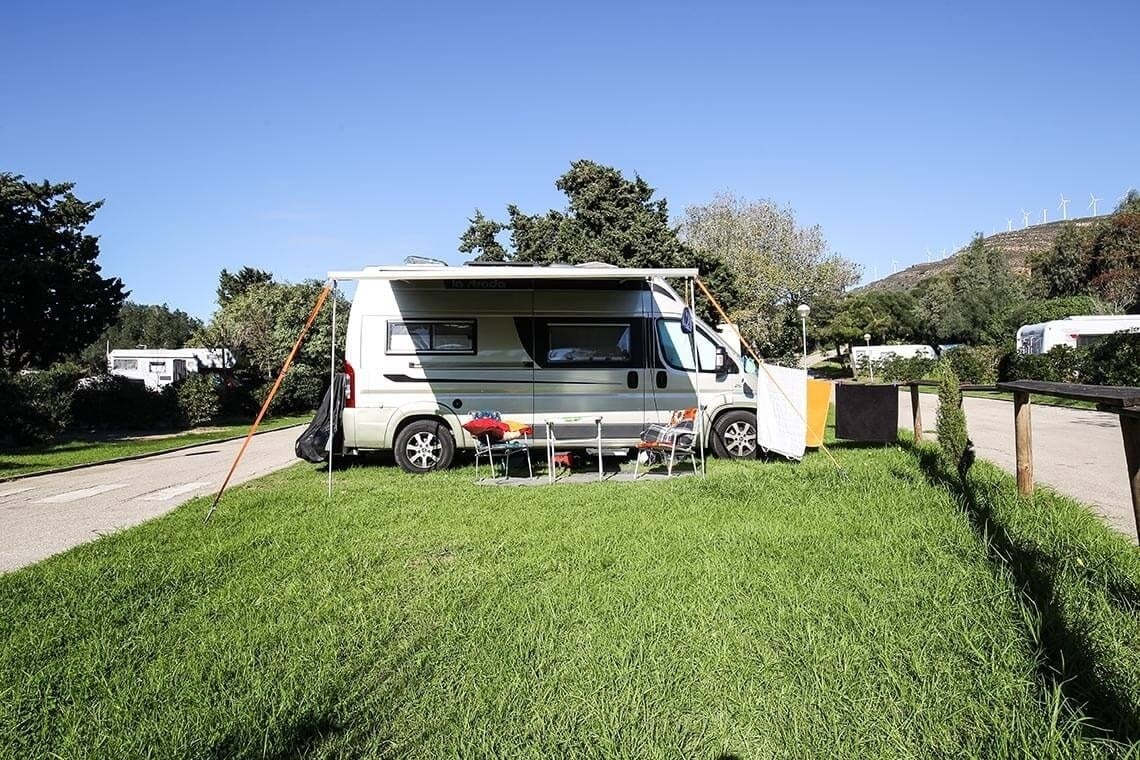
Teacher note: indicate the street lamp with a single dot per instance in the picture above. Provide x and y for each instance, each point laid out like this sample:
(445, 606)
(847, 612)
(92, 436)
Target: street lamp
(870, 364)
(803, 309)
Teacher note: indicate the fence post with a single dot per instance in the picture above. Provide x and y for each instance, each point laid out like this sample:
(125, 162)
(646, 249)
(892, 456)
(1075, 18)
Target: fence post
(1130, 430)
(917, 411)
(1023, 440)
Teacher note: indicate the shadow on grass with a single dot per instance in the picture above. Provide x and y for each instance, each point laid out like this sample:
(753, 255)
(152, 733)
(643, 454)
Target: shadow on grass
(1069, 661)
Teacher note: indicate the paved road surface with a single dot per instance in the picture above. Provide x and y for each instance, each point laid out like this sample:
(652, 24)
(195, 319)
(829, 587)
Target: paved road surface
(1077, 452)
(47, 514)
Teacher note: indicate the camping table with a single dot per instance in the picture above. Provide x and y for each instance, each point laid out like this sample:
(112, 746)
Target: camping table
(551, 443)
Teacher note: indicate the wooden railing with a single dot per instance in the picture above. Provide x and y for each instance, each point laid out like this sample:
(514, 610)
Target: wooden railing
(1124, 402)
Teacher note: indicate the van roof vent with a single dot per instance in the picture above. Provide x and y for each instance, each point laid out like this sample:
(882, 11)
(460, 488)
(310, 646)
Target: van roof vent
(423, 260)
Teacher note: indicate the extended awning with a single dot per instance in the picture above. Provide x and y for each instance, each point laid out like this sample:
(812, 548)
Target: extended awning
(431, 272)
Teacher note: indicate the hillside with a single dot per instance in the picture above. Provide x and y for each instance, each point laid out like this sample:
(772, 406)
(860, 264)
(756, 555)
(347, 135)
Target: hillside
(1017, 245)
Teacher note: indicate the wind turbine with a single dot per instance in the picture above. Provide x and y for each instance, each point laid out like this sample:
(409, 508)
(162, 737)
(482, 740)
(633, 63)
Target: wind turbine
(1025, 217)
(894, 266)
(927, 255)
(1008, 225)
(1064, 207)
(1093, 202)
(1044, 216)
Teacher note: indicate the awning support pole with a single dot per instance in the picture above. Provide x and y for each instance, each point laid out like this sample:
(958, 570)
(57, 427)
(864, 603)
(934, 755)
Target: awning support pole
(332, 388)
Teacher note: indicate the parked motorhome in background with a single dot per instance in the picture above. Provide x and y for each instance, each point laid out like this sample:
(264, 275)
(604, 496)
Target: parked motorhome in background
(862, 356)
(428, 345)
(1076, 332)
(159, 367)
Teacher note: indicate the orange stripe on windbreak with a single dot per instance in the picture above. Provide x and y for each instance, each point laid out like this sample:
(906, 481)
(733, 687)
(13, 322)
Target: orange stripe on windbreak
(272, 392)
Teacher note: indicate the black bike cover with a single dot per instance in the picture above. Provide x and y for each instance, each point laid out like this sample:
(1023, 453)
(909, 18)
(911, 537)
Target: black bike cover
(313, 444)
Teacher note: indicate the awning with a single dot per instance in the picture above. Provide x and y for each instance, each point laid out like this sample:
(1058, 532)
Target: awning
(431, 272)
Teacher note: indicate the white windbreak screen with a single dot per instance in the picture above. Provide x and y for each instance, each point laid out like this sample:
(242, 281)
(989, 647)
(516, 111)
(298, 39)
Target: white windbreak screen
(781, 410)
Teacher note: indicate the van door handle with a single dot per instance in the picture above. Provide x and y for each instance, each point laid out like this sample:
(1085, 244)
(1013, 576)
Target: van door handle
(631, 378)
(662, 378)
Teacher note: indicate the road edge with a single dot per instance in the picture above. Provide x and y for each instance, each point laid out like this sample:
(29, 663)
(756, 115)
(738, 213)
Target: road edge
(133, 457)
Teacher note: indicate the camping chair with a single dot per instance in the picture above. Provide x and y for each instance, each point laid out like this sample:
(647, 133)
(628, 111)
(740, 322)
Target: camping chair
(669, 443)
(497, 438)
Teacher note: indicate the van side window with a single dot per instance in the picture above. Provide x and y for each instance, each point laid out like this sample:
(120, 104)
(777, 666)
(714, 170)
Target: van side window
(589, 344)
(126, 363)
(442, 337)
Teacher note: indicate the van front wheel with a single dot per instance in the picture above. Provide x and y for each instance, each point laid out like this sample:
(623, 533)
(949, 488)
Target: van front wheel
(734, 435)
(423, 446)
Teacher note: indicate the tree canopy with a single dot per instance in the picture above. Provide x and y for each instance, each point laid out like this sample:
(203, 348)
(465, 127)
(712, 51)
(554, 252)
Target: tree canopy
(773, 263)
(143, 325)
(53, 299)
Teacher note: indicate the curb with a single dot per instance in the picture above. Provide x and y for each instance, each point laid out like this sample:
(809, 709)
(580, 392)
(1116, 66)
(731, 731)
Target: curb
(133, 457)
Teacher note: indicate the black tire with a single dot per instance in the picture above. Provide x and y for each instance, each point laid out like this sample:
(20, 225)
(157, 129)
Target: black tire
(423, 446)
(734, 435)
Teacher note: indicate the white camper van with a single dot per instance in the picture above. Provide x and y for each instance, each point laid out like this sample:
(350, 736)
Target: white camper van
(1076, 332)
(428, 345)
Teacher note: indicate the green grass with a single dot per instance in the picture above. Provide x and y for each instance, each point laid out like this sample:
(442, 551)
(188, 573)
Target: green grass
(770, 610)
(87, 450)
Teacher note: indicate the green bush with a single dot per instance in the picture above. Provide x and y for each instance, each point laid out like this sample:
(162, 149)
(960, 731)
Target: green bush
(1061, 364)
(199, 398)
(898, 369)
(114, 402)
(977, 365)
(37, 404)
(1113, 360)
(951, 422)
(301, 391)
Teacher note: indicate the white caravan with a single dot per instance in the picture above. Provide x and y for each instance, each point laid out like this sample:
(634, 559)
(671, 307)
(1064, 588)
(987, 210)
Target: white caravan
(862, 355)
(428, 345)
(1076, 332)
(159, 367)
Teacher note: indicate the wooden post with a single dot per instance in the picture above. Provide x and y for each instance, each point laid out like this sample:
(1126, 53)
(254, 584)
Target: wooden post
(917, 411)
(1023, 438)
(1130, 429)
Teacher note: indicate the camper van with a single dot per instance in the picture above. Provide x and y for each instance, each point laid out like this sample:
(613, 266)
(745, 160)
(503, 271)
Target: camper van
(1076, 332)
(157, 368)
(562, 348)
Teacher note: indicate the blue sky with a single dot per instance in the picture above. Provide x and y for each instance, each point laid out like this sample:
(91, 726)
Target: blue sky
(301, 138)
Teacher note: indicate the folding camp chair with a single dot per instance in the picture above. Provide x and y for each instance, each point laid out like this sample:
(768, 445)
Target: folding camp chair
(670, 443)
(492, 445)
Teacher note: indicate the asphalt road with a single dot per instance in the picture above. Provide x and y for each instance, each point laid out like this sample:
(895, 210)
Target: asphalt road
(47, 514)
(1077, 452)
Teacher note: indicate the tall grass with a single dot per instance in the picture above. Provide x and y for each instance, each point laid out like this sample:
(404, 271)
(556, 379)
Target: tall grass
(770, 610)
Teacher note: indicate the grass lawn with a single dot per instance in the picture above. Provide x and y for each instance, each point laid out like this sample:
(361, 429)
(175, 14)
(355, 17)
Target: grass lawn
(21, 461)
(771, 610)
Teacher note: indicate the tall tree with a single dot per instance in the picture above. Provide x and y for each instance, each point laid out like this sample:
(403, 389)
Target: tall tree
(775, 265)
(230, 286)
(608, 218)
(53, 299)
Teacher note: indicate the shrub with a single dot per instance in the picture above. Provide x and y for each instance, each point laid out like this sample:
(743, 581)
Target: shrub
(301, 391)
(199, 398)
(1113, 360)
(111, 401)
(1061, 364)
(896, 368)
(37, 404)
(976, 365)
(951, 422)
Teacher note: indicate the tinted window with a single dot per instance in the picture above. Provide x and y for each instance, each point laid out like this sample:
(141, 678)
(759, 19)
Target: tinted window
(444, 337)
(604, 344)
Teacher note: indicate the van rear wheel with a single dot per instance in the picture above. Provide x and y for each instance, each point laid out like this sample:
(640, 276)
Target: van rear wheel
(734, 435)
(423, 446)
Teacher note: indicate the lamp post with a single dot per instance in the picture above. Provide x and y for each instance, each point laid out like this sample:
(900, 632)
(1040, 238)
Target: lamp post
(803, 309)
(870, 364)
